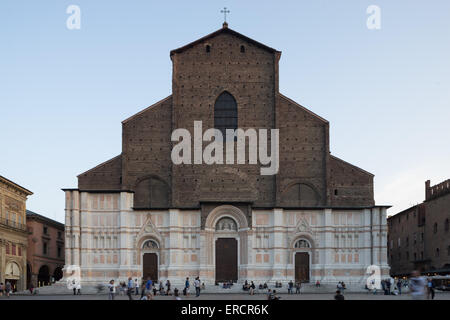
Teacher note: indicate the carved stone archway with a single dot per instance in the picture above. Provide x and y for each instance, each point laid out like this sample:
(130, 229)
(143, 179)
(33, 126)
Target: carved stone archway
(226, 211)
(238, 231)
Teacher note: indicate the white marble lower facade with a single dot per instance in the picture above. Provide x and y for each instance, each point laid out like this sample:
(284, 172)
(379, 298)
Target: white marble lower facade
(107, 239)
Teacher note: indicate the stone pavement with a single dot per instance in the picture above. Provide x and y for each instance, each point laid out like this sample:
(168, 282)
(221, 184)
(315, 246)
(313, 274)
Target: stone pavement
(231, 296)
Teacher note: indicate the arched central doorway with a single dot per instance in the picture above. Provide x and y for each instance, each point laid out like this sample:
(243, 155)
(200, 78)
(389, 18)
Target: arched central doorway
(150, 250)
(302, 250)
(226, 251)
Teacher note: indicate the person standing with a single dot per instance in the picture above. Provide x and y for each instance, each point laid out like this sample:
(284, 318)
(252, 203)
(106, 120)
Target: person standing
(269, 294)
(168, 287)
(136, 287)
(197, 286)
(74, 287)
(430, 289)
(187, 286)
(112, 290)
(1, 289)
(417, 286)
(290, 287)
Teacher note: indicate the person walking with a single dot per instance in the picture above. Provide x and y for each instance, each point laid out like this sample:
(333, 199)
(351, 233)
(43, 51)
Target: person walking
(143, 286)
(417, 286)
(130, 288)
(148, 285)
(298, 286)
(111, 290)
(8, 288)
(197, 286)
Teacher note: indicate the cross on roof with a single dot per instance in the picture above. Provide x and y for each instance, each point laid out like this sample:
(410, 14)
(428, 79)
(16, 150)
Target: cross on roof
(225, 11)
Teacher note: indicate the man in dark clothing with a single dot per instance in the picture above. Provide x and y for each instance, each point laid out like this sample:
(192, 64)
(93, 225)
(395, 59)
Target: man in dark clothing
(290, 287)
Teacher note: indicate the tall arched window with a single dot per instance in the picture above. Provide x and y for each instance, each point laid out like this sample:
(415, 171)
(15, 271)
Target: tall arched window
(225, 113)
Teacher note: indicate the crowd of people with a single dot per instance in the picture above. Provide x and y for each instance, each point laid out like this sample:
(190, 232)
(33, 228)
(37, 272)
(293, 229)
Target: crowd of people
(251, 287)
(419, 288)
(147, 289)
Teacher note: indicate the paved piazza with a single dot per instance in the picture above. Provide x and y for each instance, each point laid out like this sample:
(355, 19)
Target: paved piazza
(232, 296)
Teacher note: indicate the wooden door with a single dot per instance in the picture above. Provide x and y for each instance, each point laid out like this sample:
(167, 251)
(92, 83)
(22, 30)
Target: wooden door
(150, 266)
(302, 267)
(226, 260)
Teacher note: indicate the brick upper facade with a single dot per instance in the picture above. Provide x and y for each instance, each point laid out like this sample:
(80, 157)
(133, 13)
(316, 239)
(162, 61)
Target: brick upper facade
(228, 61)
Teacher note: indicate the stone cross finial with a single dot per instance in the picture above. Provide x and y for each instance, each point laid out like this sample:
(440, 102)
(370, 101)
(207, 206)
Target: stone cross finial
(225, 11)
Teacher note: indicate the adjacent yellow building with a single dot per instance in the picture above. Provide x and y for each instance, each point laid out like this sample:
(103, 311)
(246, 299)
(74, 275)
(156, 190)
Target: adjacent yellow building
(13, 234)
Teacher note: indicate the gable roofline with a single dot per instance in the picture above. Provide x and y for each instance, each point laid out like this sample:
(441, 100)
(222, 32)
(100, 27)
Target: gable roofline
(352, 165)
(303, 108)
(225, 29)
(142, 111)
(15, 185)
(101, 164)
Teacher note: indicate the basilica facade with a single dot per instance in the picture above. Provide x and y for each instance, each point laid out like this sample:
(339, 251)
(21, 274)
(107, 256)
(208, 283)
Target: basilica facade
(141, 215)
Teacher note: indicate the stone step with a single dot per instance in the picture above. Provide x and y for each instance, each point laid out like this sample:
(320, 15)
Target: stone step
(61, 289)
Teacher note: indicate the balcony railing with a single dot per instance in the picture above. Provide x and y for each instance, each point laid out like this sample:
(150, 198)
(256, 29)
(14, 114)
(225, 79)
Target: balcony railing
(13, 224)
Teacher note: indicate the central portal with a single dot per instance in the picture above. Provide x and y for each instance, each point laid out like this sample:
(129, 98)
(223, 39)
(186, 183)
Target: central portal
(226, 260)
(150, 266)
(301, 267)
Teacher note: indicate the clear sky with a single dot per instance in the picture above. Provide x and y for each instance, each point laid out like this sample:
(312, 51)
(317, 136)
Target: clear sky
(64, 93)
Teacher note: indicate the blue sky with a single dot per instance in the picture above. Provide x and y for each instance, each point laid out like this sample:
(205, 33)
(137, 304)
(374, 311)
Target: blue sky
(64, 93)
